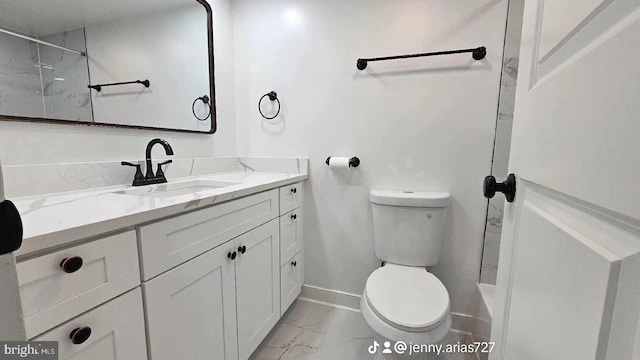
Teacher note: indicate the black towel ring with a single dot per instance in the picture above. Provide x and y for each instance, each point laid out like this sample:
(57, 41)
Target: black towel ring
(273, 96)
(205, 100)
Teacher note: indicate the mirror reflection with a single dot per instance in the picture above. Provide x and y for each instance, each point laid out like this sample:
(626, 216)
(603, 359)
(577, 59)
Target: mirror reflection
(142, 63)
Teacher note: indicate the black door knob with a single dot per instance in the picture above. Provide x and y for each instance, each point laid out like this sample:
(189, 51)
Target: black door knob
(232, 255)
(294, 190)
(242, 249)
(294, 216)
(80, 335)
(508, 187)
(71, 264)
(294, 263)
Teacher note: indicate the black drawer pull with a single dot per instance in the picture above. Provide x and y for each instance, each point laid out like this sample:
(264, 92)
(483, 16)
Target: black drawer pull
(294, 263)
(71, 264)
(80, 335)
(294, 216)
(242, 249)
(294, 190)
(232, 255)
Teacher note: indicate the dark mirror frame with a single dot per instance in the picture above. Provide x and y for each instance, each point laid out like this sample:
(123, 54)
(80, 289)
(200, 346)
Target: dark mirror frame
(212, 97)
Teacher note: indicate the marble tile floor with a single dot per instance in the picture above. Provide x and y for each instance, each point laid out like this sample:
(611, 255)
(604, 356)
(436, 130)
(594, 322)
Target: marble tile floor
(311, 331)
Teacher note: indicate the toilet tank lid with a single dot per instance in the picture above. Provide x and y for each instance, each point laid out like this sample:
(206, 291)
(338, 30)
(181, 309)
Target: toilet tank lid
(410, 198)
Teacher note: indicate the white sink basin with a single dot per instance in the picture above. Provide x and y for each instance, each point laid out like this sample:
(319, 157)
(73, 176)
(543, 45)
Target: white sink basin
(176, 188)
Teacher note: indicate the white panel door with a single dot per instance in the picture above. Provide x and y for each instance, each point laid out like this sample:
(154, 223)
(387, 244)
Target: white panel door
(191, 310)
(257, 285)
(569, 261)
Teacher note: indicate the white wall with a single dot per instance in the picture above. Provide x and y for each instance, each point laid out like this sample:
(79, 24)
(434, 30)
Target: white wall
(424, 124)
(37, 143)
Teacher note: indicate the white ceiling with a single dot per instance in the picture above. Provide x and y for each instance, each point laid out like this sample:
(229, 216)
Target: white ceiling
(42, 17)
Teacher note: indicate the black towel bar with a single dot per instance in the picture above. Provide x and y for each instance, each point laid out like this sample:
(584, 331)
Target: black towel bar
(478, 53)
(99, 87)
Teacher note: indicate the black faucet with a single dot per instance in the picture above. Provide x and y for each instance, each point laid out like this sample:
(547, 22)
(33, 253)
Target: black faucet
(150, 178)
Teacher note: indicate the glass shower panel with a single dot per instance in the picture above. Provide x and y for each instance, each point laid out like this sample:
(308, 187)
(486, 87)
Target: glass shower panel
(65, 76)
(20, 86)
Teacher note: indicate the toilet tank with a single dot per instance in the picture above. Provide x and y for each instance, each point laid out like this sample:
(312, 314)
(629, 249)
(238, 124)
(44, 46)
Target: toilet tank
(408, 226)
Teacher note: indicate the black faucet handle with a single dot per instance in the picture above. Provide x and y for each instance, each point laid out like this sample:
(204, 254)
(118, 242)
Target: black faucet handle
(160, 173)
(138, 177)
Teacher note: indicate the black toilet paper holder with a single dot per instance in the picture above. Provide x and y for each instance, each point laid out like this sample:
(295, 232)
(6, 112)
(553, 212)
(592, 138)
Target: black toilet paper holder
(353, 162)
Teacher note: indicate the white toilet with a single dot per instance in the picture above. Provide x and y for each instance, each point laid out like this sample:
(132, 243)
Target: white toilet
(402, 301)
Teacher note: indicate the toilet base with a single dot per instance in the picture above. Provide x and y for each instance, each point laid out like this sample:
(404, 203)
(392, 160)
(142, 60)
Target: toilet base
(388, 332)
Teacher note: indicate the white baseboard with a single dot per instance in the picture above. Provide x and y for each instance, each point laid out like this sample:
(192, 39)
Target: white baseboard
(462, 322)
(331, 297)
(348, 301)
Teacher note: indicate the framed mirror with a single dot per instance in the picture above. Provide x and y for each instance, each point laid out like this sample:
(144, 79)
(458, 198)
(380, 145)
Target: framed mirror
(145, 64)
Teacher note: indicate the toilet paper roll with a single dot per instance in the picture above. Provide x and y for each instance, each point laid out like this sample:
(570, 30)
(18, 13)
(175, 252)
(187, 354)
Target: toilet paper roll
(339, 163)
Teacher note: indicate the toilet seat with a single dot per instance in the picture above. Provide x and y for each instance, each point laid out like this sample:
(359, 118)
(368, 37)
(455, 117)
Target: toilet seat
(408, 298)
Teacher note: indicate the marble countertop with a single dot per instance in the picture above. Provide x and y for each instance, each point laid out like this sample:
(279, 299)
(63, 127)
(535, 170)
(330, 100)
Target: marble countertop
(54, 220)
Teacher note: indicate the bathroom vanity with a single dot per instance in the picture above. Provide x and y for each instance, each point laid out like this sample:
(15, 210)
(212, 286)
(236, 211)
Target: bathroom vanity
(198, 268)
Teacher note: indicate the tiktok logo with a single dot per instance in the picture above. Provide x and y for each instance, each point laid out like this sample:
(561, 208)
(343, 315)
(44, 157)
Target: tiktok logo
(374, 348)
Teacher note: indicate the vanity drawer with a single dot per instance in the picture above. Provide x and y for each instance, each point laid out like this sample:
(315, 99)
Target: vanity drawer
(51, 295)
(290, 235)
(117, 332)
(291, 279)
(172, 242)
(290, 197)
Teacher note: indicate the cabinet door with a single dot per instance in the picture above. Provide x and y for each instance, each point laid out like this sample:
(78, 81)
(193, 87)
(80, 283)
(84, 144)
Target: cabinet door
(111, 331)
(257, 285)
(290, 235)
(291, 279)
(191, 310)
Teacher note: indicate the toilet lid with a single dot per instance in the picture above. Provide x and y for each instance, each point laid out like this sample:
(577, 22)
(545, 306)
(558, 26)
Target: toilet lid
(409, 297)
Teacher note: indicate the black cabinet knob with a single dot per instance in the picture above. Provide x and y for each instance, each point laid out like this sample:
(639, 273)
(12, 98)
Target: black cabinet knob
(294, 216)
(294, 190)
(232, 255)
(508, 187)
(80, 335)
(71, 264)
(242, 249)
(294, 263)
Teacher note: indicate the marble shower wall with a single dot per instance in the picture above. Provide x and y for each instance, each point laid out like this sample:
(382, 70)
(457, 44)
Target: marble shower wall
(502, 143)
(20, 87)
(42, 81)
(65, 77)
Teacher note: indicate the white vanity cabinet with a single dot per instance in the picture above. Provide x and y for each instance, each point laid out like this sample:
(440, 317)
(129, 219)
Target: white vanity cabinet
(208, 284)
(221, 304)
